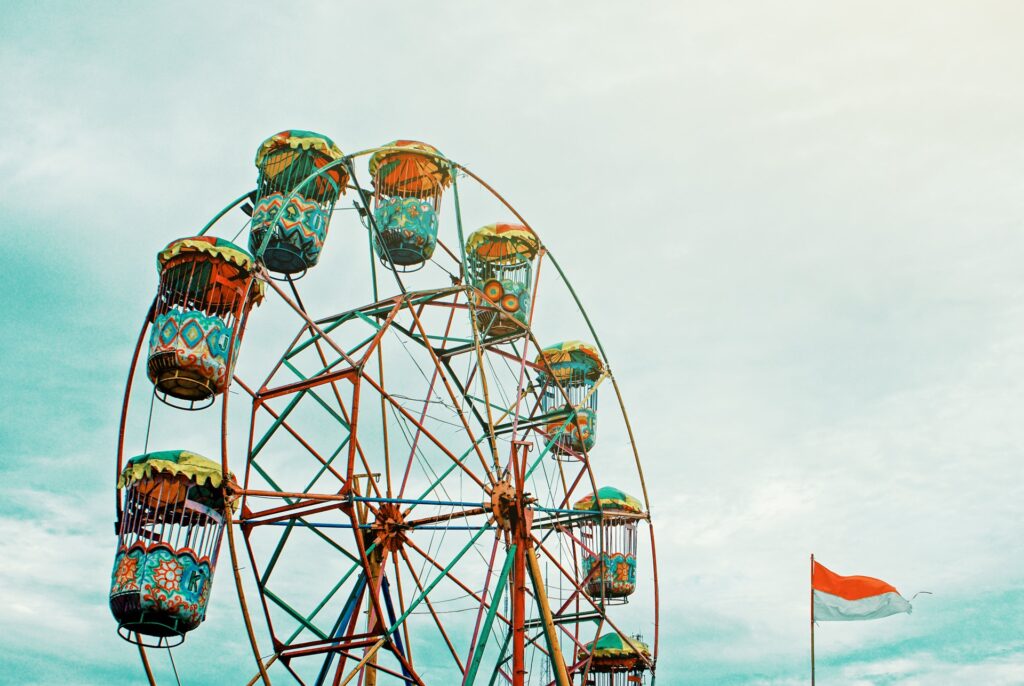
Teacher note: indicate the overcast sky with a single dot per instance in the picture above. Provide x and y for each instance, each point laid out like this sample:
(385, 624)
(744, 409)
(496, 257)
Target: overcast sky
(796, 225)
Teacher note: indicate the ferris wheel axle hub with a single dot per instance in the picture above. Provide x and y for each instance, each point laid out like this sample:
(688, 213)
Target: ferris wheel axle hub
(390, 527)
(506, 506)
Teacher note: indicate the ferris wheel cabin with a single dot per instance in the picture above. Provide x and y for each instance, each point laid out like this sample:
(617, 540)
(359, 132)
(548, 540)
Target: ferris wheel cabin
(609, 542)
(409, 178)
(291, 216)
(568, 392)
(206, 290)
(616, 661)
(499, 265)
(169, 535)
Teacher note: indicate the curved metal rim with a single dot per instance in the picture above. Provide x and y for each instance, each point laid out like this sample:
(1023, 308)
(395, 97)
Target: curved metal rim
(347, 161)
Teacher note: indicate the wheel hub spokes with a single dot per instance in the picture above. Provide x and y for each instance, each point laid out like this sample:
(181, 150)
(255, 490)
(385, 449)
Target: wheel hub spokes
(390, 527)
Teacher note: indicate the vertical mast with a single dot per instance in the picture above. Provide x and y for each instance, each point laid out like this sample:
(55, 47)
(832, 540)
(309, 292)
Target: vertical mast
(520, 533)
(812, 619)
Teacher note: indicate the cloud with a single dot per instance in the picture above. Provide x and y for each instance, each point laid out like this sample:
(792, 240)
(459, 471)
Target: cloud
(1002, 668)
(795, 227)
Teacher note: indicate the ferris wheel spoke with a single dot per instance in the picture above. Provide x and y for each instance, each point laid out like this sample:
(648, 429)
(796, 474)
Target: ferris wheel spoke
(426, 404)
(574, 596)
(433, 439)
(434, 519)
(478, 370)
(385, 441)
(464, 393)
(578, 586)
(569, 576)
(398, 650)
(295, 614)
(446, 573)
(477, 348)
(506, 411)
(412, 442)
(527, 468)
(330, 461)
(519, 421)
(344, 626)
(569, 489)
(439, 481)
(490, 358)
(451, 394)
(433, 612)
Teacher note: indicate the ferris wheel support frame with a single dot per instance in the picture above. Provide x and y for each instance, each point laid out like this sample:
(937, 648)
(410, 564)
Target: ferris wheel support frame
(521, 559)
(618, 395)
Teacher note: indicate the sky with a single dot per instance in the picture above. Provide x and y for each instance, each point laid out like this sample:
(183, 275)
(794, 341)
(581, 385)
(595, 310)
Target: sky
(796, 226)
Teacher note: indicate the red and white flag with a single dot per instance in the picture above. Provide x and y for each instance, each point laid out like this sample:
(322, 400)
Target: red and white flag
(851, 598)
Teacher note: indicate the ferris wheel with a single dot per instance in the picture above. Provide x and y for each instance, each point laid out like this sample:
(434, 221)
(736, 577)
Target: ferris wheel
(413, 491)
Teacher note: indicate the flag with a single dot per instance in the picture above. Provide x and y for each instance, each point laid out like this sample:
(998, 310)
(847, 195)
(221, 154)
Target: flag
(851, 598)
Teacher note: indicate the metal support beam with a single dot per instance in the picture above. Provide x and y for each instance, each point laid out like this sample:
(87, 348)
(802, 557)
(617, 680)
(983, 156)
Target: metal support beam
(485, 632)
(541, 594)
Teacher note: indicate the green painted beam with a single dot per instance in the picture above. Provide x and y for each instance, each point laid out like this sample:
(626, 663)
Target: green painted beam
(316, 336)
(501, 657)
(452, 466)
(316, 396)
(492, 611)
(281, 417)
(277, 553)
(295, 614)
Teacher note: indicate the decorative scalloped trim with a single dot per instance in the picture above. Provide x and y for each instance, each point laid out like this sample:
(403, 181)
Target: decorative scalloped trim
(380, 157)
(296, 140)
(516, 238)
(196, 467)
(220, 248)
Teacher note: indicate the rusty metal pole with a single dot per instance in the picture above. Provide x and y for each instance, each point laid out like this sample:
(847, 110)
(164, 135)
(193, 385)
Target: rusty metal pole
(812, 619)
(520, 534)
(550, 632)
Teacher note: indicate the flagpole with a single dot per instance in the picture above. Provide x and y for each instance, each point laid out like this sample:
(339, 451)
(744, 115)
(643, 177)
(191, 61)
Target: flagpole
(812, 619)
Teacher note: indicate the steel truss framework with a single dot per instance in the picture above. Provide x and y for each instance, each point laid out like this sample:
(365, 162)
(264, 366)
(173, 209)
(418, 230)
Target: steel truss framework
(398, 461)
